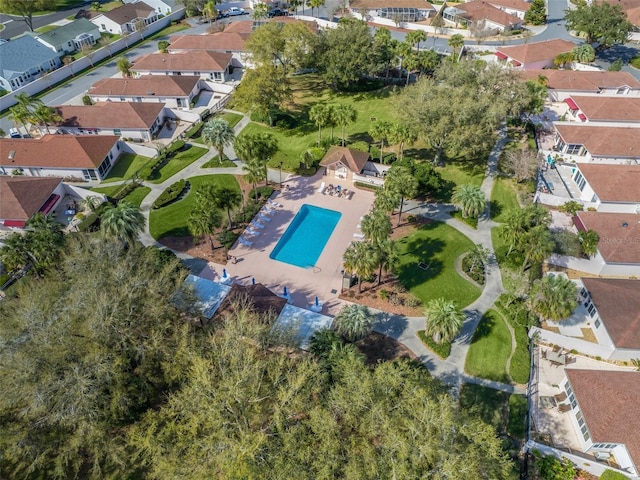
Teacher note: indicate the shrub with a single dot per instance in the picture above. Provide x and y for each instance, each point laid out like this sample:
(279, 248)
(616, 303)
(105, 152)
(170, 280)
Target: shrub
(163, 45)
(192, 132)
(572, 207)
(616, 66)
(611, 475)
(443, 349)
(227, 238)
(146, 173)
(635, 62)
(384, 294)
(367, 186)
(176, 146)
(125, 190)
(171, 193)
(412, 301)
(88, 222)
(263, 192)
(86, 100)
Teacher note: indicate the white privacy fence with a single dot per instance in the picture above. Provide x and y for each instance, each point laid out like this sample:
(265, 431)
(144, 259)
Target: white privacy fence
(67, 71)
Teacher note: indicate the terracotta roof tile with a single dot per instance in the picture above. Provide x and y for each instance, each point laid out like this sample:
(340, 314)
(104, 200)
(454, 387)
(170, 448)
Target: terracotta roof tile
(478, 10)
(57, 151)
(609, 402)
(21, 197)
(146, 86)
(243, 26)
(582, 80)
(194, 60)
(621, 142)
(619, 109)
(130, 115)
(353, 159)
(631, 8)
(220, 41)
(376, 4)
(537, 51)
(613, 183)
(619, 235)
(618, 304)
(519, 5)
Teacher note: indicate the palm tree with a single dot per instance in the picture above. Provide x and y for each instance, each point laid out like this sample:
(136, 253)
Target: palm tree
(589, 240)
(386, 200)
(260, 11)
(344, 115)
(209, 10)
(554, 297)
(91, 202)
(537, 245)
(19, 116)
(124, 65)
(257, 148)
(354, 322)
(387, 257)
(124, 222)
(323, 342)
(254, 173)
(403, 135)
(403, 183)
(227, 198)
(381, 130)
(443, 320)
(469, 199)
(204, 222)
(411, 63)
(320, 114)
(415, 37)
(360, 260)
(218, 133)
(376, 226)
(45, 115)
(317, 4)
(584, 53)
(402, 51)
(456, 42)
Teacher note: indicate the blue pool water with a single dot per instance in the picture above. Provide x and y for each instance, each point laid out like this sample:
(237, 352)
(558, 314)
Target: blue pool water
(306, 236)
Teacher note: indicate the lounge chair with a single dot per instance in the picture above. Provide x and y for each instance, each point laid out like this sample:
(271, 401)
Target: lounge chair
(328, 190)
(264, 219)
(321, 188)
(255, 224)
(345, 193)
(336, 192)
(274, 204)
(267, 211)
(358, 235)
(252, 231)
(244, 242)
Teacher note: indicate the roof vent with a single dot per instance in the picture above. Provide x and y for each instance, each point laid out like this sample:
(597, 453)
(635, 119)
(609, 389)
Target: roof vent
(625, 224)
(12, 154)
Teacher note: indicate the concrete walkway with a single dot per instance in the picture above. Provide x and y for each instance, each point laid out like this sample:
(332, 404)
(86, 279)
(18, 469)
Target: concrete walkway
(403, 329)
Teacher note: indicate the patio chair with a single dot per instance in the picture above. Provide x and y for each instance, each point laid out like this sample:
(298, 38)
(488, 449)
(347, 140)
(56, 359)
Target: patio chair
(251, 231)
(328, 190)
(255, 224)
(564, 408)
(560, 397)
(359, 236)
(263, 218)
(275, 204)
(244, 242)
(267, 211)
(321, 188)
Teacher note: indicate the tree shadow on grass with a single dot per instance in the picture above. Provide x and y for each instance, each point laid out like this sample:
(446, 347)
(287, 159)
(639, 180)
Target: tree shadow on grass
(484, 328)
(495, 209)
(422, 266)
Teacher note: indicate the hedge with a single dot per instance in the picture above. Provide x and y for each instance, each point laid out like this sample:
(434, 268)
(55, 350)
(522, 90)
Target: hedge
(263, 192)
(367, 186)
(175, 146)
(171, 193)
(125, 190)
(87, 222)
(443, 350)
(190, 133)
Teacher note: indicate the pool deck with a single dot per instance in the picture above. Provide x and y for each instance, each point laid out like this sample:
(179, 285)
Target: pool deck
(325, 280)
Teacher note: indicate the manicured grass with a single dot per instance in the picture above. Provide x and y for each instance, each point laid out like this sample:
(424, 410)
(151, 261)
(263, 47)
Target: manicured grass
(516, 315)
(215, 163)
(128, 164)
(169, 30)
(231, 118)
(437, 245)
(443, 350)
(137, 196)
(47, 28)
(182, 160)
(503, 197)
(172, 219)
(490, 348)
(487, 402)
(299, 133)
(108, 191)
(471, 221)
(462, 173)
(517, 416)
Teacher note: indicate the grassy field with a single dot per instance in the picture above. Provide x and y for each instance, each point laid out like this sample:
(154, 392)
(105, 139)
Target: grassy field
(134, 197)
(437, 245)
(182, 160)
(231, 118)
(515, 314)
(172, 219)
(298, 132)
(128, 164)
(503, 197)
(517, 416)
(490, 348)
(47, 28)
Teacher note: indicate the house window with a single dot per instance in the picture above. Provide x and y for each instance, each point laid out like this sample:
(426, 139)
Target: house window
(580, 181)
(138, 99)
(122, 99)
(569, 390)
(217, 75)
(117, 131)
(597, 323)
(573, 149)
(586, 436)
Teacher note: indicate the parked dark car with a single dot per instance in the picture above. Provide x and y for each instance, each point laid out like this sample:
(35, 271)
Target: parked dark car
(276, 12)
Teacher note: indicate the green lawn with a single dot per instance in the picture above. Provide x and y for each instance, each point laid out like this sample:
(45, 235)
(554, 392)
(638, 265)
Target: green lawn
(299, 133)
(442, 349)
(516, 315)
(128, 164)
(490, 348)
(231, 118)
(108, 191)
(47, 28)
(438, 245)
(172, 219)
(517, 416)
(137, 196)
(503, 197)
(182, 160)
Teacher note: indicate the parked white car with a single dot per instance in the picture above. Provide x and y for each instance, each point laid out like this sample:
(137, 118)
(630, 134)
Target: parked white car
(233, 11)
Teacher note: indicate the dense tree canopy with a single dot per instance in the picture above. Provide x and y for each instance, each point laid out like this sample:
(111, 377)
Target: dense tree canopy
(602, 22)
(26, 8)
(262, 90)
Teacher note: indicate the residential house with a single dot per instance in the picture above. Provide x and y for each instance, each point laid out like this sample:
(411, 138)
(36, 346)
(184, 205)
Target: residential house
(624, 111)
(349, 164)
(603, 409)
(609, 188)
(70, 37)
(519, 8)
(396, 10)
(568, 83)
(535, 55)
(22, 197)
(85, 157)
(227, 42)
(173, 91)
(249, 26)
(135, 120)
(208, 65)
(126, 19)
(585, 143)
(619, 244)
(605, 324)
(481, 16)
(23, 60)
(162, 7)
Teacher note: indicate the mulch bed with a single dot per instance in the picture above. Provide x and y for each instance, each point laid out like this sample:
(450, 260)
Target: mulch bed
(198, 250)
(376, 347)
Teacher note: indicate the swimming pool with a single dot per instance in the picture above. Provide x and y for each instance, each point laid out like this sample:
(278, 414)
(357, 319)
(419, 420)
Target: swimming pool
(306, 236)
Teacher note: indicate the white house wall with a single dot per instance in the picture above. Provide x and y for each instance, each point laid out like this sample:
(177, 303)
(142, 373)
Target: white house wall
(105, 24)
(204, 75)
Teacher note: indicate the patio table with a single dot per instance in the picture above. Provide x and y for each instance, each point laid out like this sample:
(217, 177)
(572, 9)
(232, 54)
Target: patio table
(557, 358)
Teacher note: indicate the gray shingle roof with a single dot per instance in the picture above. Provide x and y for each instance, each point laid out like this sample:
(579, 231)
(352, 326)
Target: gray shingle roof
(67, 32)
(22, 54)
